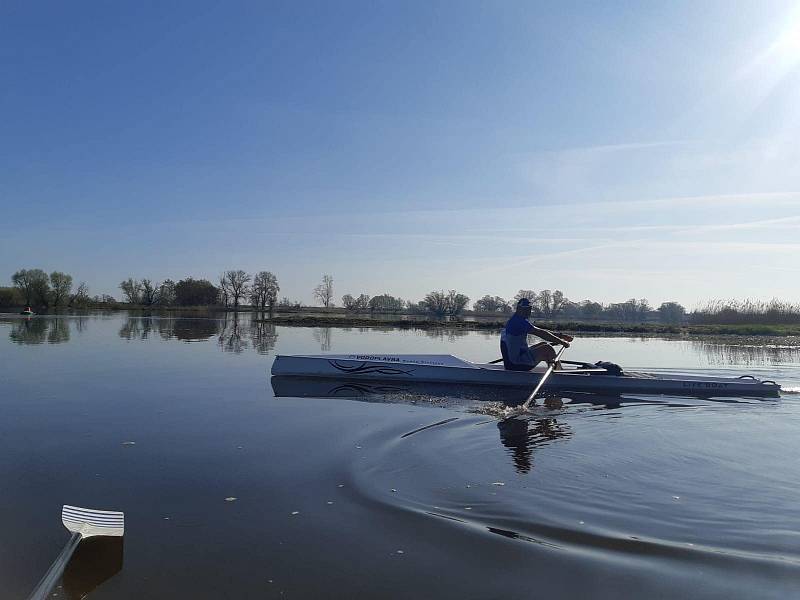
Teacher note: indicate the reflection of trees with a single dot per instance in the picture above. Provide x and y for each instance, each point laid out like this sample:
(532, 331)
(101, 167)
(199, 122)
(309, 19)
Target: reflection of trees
(190, 330)
(747, 354)
(449, 335)
(58, 331)
(323, 336)
(230, 337)
(136, 328)
(233, 331)
(521, 436)
(39, 330)
(264, 336)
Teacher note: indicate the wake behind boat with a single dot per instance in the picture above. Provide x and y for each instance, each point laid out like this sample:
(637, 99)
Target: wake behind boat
(575, 377)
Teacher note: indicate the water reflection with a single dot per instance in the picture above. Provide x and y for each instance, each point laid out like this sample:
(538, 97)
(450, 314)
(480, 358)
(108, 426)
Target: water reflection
(747, 352)
(521, 436)
(38, 330)
(322, 335)
(239, 332)
(230, 337)
(233, 332)
(264, 336)
(188, 330)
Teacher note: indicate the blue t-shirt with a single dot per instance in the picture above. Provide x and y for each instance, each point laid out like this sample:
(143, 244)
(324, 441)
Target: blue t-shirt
(518, 326)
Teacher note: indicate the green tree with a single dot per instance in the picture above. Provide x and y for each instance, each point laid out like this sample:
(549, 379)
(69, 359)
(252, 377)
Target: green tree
(671, 312)
(33, 285)
(195, 292)
(386, 303)
(356, 304)
(9, 297)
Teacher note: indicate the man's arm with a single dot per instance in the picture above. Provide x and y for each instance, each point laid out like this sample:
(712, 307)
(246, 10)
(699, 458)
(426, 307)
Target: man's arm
(549, 336)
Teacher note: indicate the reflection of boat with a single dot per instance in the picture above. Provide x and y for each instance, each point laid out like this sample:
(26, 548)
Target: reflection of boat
(442, 368)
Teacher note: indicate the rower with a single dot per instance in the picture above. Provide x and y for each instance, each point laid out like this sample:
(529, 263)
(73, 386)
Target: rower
(517, 355)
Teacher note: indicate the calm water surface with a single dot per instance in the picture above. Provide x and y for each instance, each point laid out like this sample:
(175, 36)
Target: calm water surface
(231, 488)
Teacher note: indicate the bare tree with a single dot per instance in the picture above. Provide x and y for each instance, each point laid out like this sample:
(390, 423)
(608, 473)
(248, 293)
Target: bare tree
(224, 291)
(529, 294)
(237, 283)
(81, 296)
(132, 290)
(60, 287)
(149, 293)
(324, 291)
(264, 291)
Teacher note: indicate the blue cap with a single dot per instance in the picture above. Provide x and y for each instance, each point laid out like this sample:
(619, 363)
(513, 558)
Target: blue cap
(523, 302)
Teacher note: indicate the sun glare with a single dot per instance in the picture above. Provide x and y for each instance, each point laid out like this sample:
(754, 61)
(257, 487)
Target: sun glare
(787, 46)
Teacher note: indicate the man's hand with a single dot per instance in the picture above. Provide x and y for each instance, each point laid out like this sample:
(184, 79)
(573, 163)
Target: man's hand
(565, 339)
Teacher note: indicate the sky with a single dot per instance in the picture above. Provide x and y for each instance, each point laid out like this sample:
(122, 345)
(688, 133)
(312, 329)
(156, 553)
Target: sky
(610, 150)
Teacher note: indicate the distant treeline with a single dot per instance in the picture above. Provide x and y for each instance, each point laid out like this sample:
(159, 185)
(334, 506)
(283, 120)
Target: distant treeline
(238, 289)
(34, 287)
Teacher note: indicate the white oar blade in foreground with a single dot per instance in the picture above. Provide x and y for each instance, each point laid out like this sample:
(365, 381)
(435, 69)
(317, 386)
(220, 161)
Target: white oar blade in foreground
(89, 522)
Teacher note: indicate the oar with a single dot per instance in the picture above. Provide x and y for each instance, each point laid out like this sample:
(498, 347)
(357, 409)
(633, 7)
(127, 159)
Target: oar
(82, 523)
(535, 391)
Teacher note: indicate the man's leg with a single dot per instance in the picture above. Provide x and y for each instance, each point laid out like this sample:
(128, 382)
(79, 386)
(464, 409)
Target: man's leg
(542, 352)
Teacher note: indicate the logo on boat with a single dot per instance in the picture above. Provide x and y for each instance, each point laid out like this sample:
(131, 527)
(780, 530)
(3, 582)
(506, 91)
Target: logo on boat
(396, 359)
(704, 384)
(365, 368)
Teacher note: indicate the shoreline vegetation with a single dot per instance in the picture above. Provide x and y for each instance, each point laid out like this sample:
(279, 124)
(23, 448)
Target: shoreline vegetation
(237, 291)
(336, 318)
(565, 326)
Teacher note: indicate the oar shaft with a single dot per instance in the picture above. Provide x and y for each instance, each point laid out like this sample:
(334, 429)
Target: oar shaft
(55, 571)
(535, 391)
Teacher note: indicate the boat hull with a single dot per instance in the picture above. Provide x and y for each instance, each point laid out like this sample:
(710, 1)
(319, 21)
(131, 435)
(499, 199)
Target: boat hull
(449, 369)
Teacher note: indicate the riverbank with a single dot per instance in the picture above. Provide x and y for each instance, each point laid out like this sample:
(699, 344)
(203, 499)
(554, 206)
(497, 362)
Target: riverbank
(568, 327)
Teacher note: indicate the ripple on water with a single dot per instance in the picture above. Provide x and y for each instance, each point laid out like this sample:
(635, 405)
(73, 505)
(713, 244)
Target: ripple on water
(649, 482)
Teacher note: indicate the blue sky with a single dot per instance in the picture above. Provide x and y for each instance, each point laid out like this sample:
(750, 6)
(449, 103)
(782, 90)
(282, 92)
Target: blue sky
(610, 150)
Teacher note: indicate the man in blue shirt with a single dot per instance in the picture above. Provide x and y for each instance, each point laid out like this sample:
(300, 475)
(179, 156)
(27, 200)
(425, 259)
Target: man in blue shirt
(517, 355)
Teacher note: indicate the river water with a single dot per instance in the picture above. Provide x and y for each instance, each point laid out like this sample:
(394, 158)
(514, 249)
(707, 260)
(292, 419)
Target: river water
(236, 486)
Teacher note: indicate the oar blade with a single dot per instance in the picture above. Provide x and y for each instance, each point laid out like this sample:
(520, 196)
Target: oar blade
(90, 522)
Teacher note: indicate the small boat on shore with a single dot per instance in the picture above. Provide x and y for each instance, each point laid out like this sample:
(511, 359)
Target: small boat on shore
(27, 312)
(574, 377)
